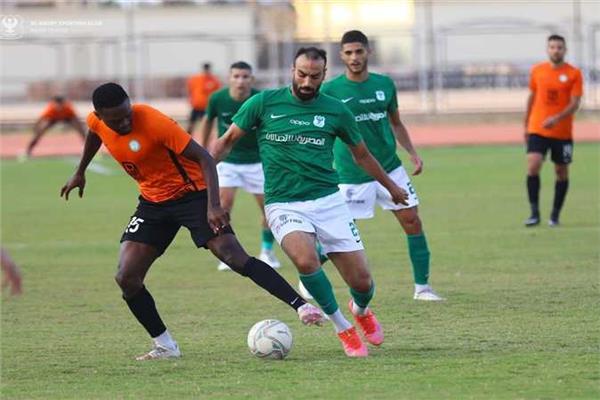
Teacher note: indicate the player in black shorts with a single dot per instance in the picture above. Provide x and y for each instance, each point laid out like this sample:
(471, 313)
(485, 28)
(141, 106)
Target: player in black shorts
(555, 88)
(178, 182)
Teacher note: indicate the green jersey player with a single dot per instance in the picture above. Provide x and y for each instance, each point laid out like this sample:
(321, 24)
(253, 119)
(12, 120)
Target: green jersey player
(242, 167)
(297, 127)
(372, 100)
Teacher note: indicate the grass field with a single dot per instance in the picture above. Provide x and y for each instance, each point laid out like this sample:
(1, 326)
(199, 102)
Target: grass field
(521, 320)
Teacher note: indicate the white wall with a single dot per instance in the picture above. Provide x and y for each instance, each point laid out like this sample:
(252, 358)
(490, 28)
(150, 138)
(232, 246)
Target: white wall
(70, 42)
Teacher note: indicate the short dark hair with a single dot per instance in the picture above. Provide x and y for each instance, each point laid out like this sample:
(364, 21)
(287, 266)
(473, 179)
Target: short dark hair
(108, 95)
(312, 53)
(556, 37)
(355, 37)
(206, 66)
(58, 99)
(241, 65)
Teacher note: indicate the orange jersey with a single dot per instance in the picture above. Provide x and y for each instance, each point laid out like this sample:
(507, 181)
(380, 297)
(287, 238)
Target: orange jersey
(553, 89)
(200, 87)
(147, 153)
(53, 112)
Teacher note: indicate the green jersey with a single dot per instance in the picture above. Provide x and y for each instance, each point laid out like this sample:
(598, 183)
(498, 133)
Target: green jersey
(223, 107)
(295, 140)
(370, 101)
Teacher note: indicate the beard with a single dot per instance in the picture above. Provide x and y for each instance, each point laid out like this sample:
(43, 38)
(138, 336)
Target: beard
(305, 96)
(557, 59)
(358, 69)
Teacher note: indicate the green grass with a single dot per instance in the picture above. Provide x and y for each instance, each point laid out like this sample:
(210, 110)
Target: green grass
(521, 320)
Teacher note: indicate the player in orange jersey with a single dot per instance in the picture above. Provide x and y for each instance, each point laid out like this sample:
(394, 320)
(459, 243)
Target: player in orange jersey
(556, 90)
(178, 182)
(57, 110)
(200, 87)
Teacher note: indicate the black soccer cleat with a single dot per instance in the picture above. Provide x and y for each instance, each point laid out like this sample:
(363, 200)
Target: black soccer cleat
(532, 221)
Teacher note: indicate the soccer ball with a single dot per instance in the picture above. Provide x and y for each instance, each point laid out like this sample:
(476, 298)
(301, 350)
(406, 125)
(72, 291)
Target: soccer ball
(270, 339)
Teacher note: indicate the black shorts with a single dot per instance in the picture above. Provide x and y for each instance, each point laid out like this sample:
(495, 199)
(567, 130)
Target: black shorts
(561, 151)
(156, 224)
(195, 114)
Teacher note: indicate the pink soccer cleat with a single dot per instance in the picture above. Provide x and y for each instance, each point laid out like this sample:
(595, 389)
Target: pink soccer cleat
(353, 345)
(311, 315)
(370, 326)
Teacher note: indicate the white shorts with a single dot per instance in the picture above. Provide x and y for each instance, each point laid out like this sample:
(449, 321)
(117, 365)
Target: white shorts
(327, 217)
(246, 176)
(361, 198)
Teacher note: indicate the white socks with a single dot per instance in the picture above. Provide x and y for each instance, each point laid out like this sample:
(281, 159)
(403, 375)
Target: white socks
(165, 340)
(339, 321)
(357, 310)
(421, 288)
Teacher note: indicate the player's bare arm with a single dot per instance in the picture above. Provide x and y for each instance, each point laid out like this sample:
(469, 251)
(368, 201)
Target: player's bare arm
(402, 136)
(206, 126)
(569, 110)
(530, 100)
(218, 218)
(366, 161)
(90, 148)
(225, 143)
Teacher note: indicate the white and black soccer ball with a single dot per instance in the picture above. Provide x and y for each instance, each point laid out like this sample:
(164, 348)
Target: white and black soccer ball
(270, 339)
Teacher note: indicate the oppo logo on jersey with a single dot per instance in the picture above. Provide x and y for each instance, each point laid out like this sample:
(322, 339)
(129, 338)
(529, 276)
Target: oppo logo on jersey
(298, 122)
(370, 117)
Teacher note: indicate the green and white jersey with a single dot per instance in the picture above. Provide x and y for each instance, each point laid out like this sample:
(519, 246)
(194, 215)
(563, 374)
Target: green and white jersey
(295, 140)
(370, 102)
(223, 107)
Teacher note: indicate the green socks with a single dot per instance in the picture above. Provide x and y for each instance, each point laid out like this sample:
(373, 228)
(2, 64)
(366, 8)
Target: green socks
(419, 256)
(267, 239)
(322, 256)
(320, 288)
(362, 299)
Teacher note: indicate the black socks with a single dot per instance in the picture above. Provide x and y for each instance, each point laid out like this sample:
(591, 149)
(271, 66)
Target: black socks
(560, 192)
(143, 307)
(533, 191)
(267, 278)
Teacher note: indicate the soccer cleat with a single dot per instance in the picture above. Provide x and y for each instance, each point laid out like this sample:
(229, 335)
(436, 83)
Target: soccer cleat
(353, 345)
(311, 315)
(160, 353)
(553, 222)
(370, 326)
(428, 295)
(223, 267)
(268, 256)
(304, 291)
(532, 221)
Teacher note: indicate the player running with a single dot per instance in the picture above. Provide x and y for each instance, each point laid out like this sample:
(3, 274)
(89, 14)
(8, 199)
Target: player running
(297, 127)
(57, 110)
(556, 89)
(178, 182)
(372, 99)
(242, 167)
